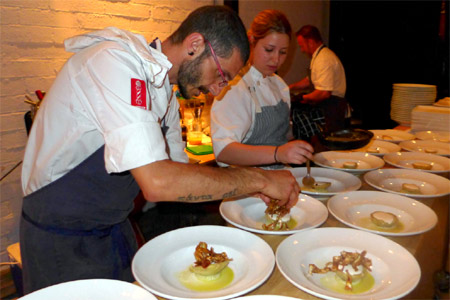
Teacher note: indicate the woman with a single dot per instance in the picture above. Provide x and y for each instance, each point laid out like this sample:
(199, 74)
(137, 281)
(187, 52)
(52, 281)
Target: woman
(250, 119)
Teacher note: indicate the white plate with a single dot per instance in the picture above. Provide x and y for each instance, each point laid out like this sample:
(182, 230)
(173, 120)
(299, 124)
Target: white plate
(335, 160)
(426, 147)
(395, 270)
(354, 209)
(391, 180)
(248, 214)
(439, 136)
(380, 146)
(405, 160)
(341, 181)
(157, 264)
(266, 297)
(396, 135)
(91, 289)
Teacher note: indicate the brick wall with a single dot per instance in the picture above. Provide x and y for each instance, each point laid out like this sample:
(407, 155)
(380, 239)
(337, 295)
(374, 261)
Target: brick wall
(32, 52)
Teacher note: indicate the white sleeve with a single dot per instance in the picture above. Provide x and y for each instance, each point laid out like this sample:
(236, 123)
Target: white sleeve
(231, 117)
(132, 135)
(173, 134)
(322, 74)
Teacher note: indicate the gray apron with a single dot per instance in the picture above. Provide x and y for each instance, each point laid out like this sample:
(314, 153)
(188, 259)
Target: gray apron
(271, 123)
(77, 228)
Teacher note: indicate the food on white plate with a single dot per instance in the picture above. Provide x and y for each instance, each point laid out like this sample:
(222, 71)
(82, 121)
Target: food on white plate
(430, 150)
(350, 165)
(422, 165)
(384, 219)
(410, 188)
(444, 140)
(277, 216)
(208, 264)
(318, 186)
(351, 267)
(373, 150)
(387, 137)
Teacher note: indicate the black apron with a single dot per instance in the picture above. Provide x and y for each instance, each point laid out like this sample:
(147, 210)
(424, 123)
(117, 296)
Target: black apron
(77, 228)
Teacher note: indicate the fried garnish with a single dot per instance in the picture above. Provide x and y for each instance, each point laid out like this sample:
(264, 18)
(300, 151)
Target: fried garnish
(338, 264)
(204, 257)
(280, 211)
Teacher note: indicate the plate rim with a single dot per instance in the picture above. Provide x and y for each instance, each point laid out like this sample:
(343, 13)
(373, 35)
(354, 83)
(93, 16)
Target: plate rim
(267, 248)
(363, 154)
(420, 204)
(265, 232)
(368, 174)
(340, 172)
(318, 231)
(410, 153)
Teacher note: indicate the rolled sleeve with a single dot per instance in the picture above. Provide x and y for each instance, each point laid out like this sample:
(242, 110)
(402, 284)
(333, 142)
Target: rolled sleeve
(129, 147)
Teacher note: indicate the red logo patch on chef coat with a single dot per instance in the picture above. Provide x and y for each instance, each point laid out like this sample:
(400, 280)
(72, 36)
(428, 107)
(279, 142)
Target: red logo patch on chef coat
(138, 93)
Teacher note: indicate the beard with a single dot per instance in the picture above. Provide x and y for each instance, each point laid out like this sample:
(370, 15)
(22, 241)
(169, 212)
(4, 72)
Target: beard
(189, 75)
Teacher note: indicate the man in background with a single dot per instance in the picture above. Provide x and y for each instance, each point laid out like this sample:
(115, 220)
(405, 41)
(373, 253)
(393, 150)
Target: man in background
(323, 89)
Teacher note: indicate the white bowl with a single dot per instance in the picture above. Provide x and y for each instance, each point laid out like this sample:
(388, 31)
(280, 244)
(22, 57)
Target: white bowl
(249, 214)
(390, 262)
(391, 180)
(335, 160)
(406, 160)
(341, 181)
(91, 289)
(392, 135)
(429, 146)
(158, 263)
(354, 209)
(379, 148)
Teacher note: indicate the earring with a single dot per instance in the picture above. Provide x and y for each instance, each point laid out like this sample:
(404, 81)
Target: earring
(191, 53)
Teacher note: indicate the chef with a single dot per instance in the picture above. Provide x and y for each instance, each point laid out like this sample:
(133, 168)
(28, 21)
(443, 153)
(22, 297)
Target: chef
(108, 128)
(250, 120)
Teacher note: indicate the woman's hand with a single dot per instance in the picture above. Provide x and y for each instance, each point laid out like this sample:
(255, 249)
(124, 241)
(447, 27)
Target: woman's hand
(295, 152)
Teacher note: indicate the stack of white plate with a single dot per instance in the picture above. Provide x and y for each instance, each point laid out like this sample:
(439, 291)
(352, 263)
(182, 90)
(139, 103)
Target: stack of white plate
(430, 118)
(406, 96)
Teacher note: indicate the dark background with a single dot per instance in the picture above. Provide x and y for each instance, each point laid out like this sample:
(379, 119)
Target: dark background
(385, 42)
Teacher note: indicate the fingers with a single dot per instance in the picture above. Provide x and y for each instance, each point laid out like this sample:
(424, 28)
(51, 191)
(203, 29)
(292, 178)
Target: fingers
(295, 152)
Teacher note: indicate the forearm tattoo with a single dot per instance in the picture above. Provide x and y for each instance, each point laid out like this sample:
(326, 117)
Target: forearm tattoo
(230, 194)
(192, 198)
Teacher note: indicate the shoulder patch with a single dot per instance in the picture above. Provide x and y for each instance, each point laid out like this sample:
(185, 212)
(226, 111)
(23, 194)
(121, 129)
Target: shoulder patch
(138, 93)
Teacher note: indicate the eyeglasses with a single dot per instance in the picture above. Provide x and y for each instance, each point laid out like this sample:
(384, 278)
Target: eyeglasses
(224, 82)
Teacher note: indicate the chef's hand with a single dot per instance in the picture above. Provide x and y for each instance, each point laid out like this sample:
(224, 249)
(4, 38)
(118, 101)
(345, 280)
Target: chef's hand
(281, 185)
(295, 152)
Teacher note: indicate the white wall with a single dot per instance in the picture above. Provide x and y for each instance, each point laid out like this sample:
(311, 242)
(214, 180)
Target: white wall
(31, 44)
(299, 13)
(32, 53)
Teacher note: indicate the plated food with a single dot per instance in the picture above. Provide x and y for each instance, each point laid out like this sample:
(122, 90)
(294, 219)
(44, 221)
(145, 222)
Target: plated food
(250, 214)
(277, 217)
(353, 162)
(379, 148)
(417, 184)
(431, 147)
(209, 272)
(438, 136)
(329, 182)
(392, 135)
(351, 271)
(419, 161)
(383, 213)
(390, 262)
(158, 265)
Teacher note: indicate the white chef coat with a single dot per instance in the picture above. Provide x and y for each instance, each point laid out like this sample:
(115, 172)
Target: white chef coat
(327, 72)
(233, 111)
(90, 104)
